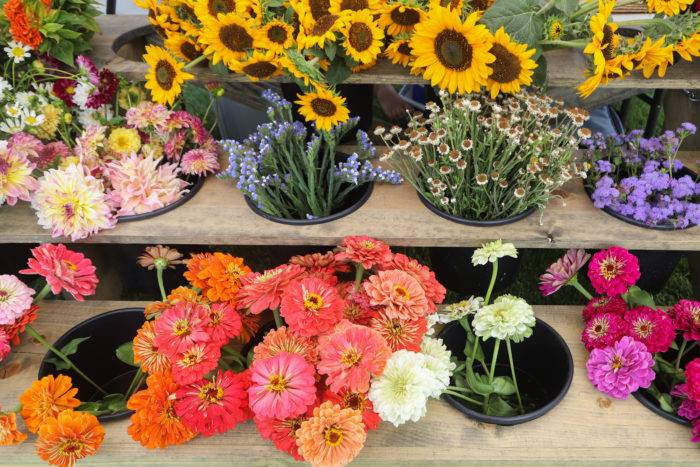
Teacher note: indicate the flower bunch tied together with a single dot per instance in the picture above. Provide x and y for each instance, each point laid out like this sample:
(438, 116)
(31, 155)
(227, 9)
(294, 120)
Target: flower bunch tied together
(634, 345)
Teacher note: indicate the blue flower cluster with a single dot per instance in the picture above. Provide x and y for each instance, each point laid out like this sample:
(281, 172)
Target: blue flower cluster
(356, 172)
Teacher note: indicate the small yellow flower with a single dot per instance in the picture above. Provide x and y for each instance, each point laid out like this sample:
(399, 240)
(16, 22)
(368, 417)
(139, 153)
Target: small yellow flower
(124, 141)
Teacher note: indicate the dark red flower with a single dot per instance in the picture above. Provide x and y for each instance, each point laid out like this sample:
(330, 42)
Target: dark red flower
(598, 305)
(64, 89)
(106, 89)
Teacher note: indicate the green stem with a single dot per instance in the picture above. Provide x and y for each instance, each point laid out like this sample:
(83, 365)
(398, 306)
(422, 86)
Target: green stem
(42, 293)
(569, 44)
(462, 396)
(159, 275)
(645, 22)
(194, 62)
(492, 372)
(359, 272)
(494, 274)
(135, 383)
(548, 6)
(512, 374)
(33, 332)
(681, 352)
(278, 319)
(575, 283)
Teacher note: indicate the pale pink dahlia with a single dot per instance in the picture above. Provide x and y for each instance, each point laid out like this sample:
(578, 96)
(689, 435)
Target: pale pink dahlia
(15, 299)
(16, 181)
(562, 271)
(399, 293)
(651, 327)
(621, 369)
(142, 184)
(148, 114)
(613, 271)
(199, 162)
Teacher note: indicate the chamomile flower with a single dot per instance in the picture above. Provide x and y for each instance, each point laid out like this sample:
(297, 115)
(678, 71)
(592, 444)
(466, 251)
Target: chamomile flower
(11, 126)
(4, 86)
(31, 118)
(13, 111)
(17, 52)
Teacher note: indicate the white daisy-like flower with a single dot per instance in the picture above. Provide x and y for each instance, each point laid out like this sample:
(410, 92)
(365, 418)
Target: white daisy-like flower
(12, 126)
(508, 317)
(31, 118)
(13, 111)
(401, 392)
(459, 310)
(4, 86)
(17, 52)
(438, 361)
(82, 94)
(490, 252)
(24, 99)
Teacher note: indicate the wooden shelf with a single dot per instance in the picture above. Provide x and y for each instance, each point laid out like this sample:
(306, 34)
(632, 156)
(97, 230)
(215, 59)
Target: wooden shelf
(586, 427)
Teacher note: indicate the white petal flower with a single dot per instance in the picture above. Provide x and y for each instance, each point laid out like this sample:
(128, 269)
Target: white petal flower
(11, 126)
(438, 362)
(82, 94)
(31, 118)
(17, 52)
(459, 310)
(4, 86)
(508, 317)
(490, 252)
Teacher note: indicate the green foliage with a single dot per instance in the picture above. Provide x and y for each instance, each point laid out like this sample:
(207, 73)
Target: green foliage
(111, 403)
(520, 18)
(69, 349)
(637, 297)
(125, 353)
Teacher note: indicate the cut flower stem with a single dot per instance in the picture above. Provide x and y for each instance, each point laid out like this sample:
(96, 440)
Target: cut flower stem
(515, 380)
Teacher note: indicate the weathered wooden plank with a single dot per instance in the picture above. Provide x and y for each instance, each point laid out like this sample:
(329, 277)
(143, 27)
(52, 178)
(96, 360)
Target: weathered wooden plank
(585, 428)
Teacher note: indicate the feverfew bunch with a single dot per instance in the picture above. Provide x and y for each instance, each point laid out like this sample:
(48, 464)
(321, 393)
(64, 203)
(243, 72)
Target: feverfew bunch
(292, 176)
(641, 178)
(484, 159)
(634, 344)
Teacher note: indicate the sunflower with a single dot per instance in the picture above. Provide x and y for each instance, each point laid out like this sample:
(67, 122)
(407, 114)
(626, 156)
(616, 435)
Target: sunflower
(250, 9)
(363, 66)
(554, 28)
(652, 55)
(605, 42)
(211, 9)
(182, 46)
(323, 107)
(277, 36)
(337, 7)
(611, 69)
(260, 65)
(399, 52)
(455, 54)
(668, 7)
(688, 47)
(163, 19)
(319, 32)
(455, 5)
(310, 11)
(165, 76)
(513, 66)
(481, 5)
(363, 39)
(228, 38)
(398, 18)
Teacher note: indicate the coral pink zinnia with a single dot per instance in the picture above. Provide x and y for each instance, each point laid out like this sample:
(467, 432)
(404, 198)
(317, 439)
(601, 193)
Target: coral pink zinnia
(15, 299)
(400, 334)
(400, 294)
(282, 433)
(363, 250)
(621, 369)
(653, 328)
(351, 355)
(260, 292)
(195, 362)
(434, 291)
(692, 380)
(223, 323)
(282, 386)
(216, 405)
(284, 340)
(613, 271)
(311, 307)
(603, 304)
(63, 269)
(602, 331)
(358, 401)
(181, 326)
(686, 315)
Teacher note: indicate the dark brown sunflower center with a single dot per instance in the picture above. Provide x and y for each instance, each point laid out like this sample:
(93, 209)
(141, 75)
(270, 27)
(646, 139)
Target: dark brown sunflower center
(404, 48)
(319, 8)
(354, 5)
(189, 50)
(156, 27)
(408, 17)
(360, 36)
(165, 74)
(481, 4)
(323, 24)
(506, 68)
(221, 6)
(453, 50)
(277, 34)
(260, 69)
(609, 49)
(449, 3)
(323, 107)
(235, 37)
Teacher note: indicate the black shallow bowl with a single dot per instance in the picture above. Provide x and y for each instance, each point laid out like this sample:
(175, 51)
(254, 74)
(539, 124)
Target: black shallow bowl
(195, 186)
(471, 222)
(96, 356)
(552, 379)
(356, 198)
(648, 401)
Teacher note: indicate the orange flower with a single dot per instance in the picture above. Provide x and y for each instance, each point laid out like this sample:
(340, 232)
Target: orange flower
(251, 326)
(185, 294)
(218, 275)
(146, 351)
(69, 437)
(9, 434)
(155, 424)
(154, 309)
(332, 436)
(22, 24)
(47, 398)
(195, 265)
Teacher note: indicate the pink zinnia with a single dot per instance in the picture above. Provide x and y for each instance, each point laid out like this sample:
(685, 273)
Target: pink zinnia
(357, 401)
(181, 326)
(603, 304)
(284, 340)
(602, 331)
(358, 308)
(216, 405)
(63, 269)
(282, 386)
(363, 250)
(195, 362)
(692, 380)
(400, 294)
(282, 432)
(4, 345)
(223, 323)
(434, 291)
(311, 307)
(686, 315)
(653, 328)
(199, 162)
(688, 409)
(621, 369)
(260, 292)
(613, 271)
(351, 355)
(15, 299)
(695, 431)
(563, 271)
(400, 334)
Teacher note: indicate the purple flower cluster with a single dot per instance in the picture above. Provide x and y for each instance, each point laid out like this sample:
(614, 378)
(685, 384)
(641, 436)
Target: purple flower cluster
(352, 171)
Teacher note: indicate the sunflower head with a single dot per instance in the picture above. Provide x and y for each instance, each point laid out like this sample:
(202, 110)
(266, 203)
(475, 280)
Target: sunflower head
(310, 11)
(276, 35)
(211, 9)
(362, 37)
(555, 28)
(319, 32)
(165, 76)
(323, 107)
(228, 38)
(399, 18)
(513, 66)
(182, 46)
(260, 65)
(399, 52)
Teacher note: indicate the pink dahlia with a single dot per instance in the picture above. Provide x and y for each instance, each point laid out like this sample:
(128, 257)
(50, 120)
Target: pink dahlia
(181, 326)
(148, 114)
(692, 380)
(16, 181)
(199, 162)
(603, 331)
(282, 432)
(311, 307)
(63, 269)
(357, 401)
(350, 356)
(15, 299)
(563, 271)
(686, 315)
(50, 152)
(603, 304)
(142, 184)
(653, 328)
(400, 334)
(434, 291)
(621, 369)
(4, 345)
(285, 340)
(399, 293)
(260, 292)
(223, 323)
(213, 406)
(613, 271)
(282, 386)
(194, 362)
(363, 250)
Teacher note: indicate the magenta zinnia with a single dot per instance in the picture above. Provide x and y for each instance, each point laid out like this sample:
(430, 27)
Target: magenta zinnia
(621, 369)
(686, 315)
(651, 327)
(613, 271)
(603, 304)
(602, 331)
(63, 269)
(563, 271)
(181, 326)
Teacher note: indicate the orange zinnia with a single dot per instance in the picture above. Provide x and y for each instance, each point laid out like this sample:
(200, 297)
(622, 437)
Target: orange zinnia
(69, 437)
(146, 352)
(9, 434)
(250, 326)
(218, 275)
(47, 398)
(154, 309)
(184, 294)
(155, 423)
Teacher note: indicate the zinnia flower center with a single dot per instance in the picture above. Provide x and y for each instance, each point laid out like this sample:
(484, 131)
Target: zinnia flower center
(643, 328)
(181, 327)
(71, 446)
(608, 44)
(165, 74)
(323, 107)
(333, 435)
(506, 68)
(70, 265)
(319, 8)
(277, 34)
(405, 16)
(616, 363)
(360, 36)
(3, 295)
(694, 312)
(190, 359)
(599, 329)
(367, 245)
(313, 301)
(402, 292)
(260, 69)
(277, 383)
(453, 50)
(351, 357)
(211, 393)
(354, 401)
(610, 268)
(235, 37)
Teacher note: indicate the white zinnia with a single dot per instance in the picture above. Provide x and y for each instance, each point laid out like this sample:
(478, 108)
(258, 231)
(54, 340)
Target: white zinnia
(459, 310)
(438, 362)
(508, 317)
(490, 252)
(401, 392)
